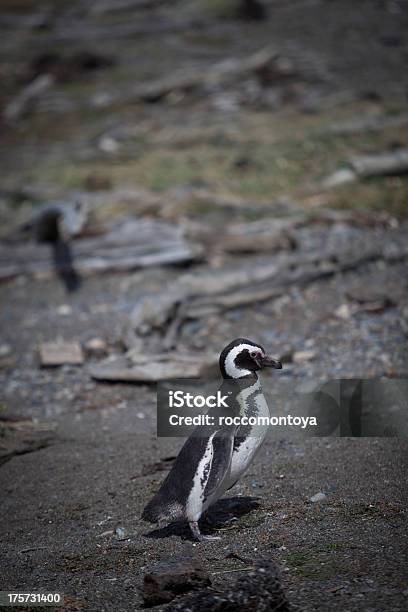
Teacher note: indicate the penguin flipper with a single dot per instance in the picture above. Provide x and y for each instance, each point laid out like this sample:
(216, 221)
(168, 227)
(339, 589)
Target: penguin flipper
(233, 485)
(222, 452)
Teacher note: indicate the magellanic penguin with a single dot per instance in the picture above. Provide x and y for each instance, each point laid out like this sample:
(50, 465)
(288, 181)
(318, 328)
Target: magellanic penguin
(211, 463)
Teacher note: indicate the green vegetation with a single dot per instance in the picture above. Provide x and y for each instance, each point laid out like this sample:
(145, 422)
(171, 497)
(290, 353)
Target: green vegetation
(270, 157)
(318, 564)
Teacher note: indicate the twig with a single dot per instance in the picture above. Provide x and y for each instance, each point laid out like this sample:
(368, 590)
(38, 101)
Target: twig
(26, 550)
(241, 569)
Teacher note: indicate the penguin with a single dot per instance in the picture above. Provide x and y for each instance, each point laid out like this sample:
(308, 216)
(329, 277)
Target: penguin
(56, 224)
(212, 462)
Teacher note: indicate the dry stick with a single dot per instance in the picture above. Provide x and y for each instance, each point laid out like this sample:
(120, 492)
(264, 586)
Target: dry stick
(159, 244)
(241, 569)
(32, 549)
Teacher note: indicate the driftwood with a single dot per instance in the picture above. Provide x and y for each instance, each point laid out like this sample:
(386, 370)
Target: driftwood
(389, 163)
(128, 245)
(15, 21)
(59, 353)
(27, 97)
(154, 352)
(157, 319)
(117, 6)
(260, 236)
(80, 31)
(136, 367)
(266, 63)
(374, 123)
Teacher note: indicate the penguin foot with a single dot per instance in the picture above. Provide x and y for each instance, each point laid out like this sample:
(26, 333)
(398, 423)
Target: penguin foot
(195, 530)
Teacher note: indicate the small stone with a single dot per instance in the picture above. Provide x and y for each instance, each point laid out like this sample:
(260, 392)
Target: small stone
(96, 346)
(64, 310)
(121, 534)
(319, 497)
(60, 353)
(340, 177)
(102, 100)
(343, 312)
(5, 350)
(107, 144)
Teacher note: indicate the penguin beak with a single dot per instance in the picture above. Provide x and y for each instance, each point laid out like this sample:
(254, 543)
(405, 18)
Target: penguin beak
(270, 362)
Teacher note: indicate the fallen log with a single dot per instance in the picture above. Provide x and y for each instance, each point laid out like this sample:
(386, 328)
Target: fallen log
(128, 245)
(157, 320)
(152, 368)
(360, 125)
(388, 163)
(266, 63)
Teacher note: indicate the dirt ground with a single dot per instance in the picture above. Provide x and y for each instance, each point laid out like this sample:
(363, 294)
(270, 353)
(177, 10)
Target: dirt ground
(80, 458)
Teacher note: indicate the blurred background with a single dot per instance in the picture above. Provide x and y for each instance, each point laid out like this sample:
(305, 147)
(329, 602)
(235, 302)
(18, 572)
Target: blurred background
(175, 174)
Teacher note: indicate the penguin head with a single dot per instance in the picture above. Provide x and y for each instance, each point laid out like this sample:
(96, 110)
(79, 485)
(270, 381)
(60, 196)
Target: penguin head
(243, 357)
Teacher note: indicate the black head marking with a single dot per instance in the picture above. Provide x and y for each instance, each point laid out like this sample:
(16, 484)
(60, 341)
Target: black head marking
(243, 360)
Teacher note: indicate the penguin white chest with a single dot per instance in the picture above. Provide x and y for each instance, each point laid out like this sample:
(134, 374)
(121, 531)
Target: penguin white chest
(194, 505)
(253, 404)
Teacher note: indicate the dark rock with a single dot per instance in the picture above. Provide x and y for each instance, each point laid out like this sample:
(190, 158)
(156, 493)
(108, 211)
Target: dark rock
(67, 68)
(252, 10)
(259, 589)
(168, 579)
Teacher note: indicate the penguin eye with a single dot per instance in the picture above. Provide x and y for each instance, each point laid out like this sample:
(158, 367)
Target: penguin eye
(253, 354)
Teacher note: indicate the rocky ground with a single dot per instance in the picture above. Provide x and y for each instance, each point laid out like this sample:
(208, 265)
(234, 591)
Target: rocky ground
(79, 458)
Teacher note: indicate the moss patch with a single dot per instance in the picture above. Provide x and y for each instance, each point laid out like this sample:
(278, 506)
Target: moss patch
(320, 564)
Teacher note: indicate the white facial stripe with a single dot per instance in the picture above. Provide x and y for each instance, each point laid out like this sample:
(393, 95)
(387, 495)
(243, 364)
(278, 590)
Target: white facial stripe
(230, 367)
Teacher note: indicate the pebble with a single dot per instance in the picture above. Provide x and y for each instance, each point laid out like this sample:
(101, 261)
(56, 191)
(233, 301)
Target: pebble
(96, 346)
(120, 532)
(318, 497)
(343, 312)
(5, 350)
(107, 144)
(64, 310)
